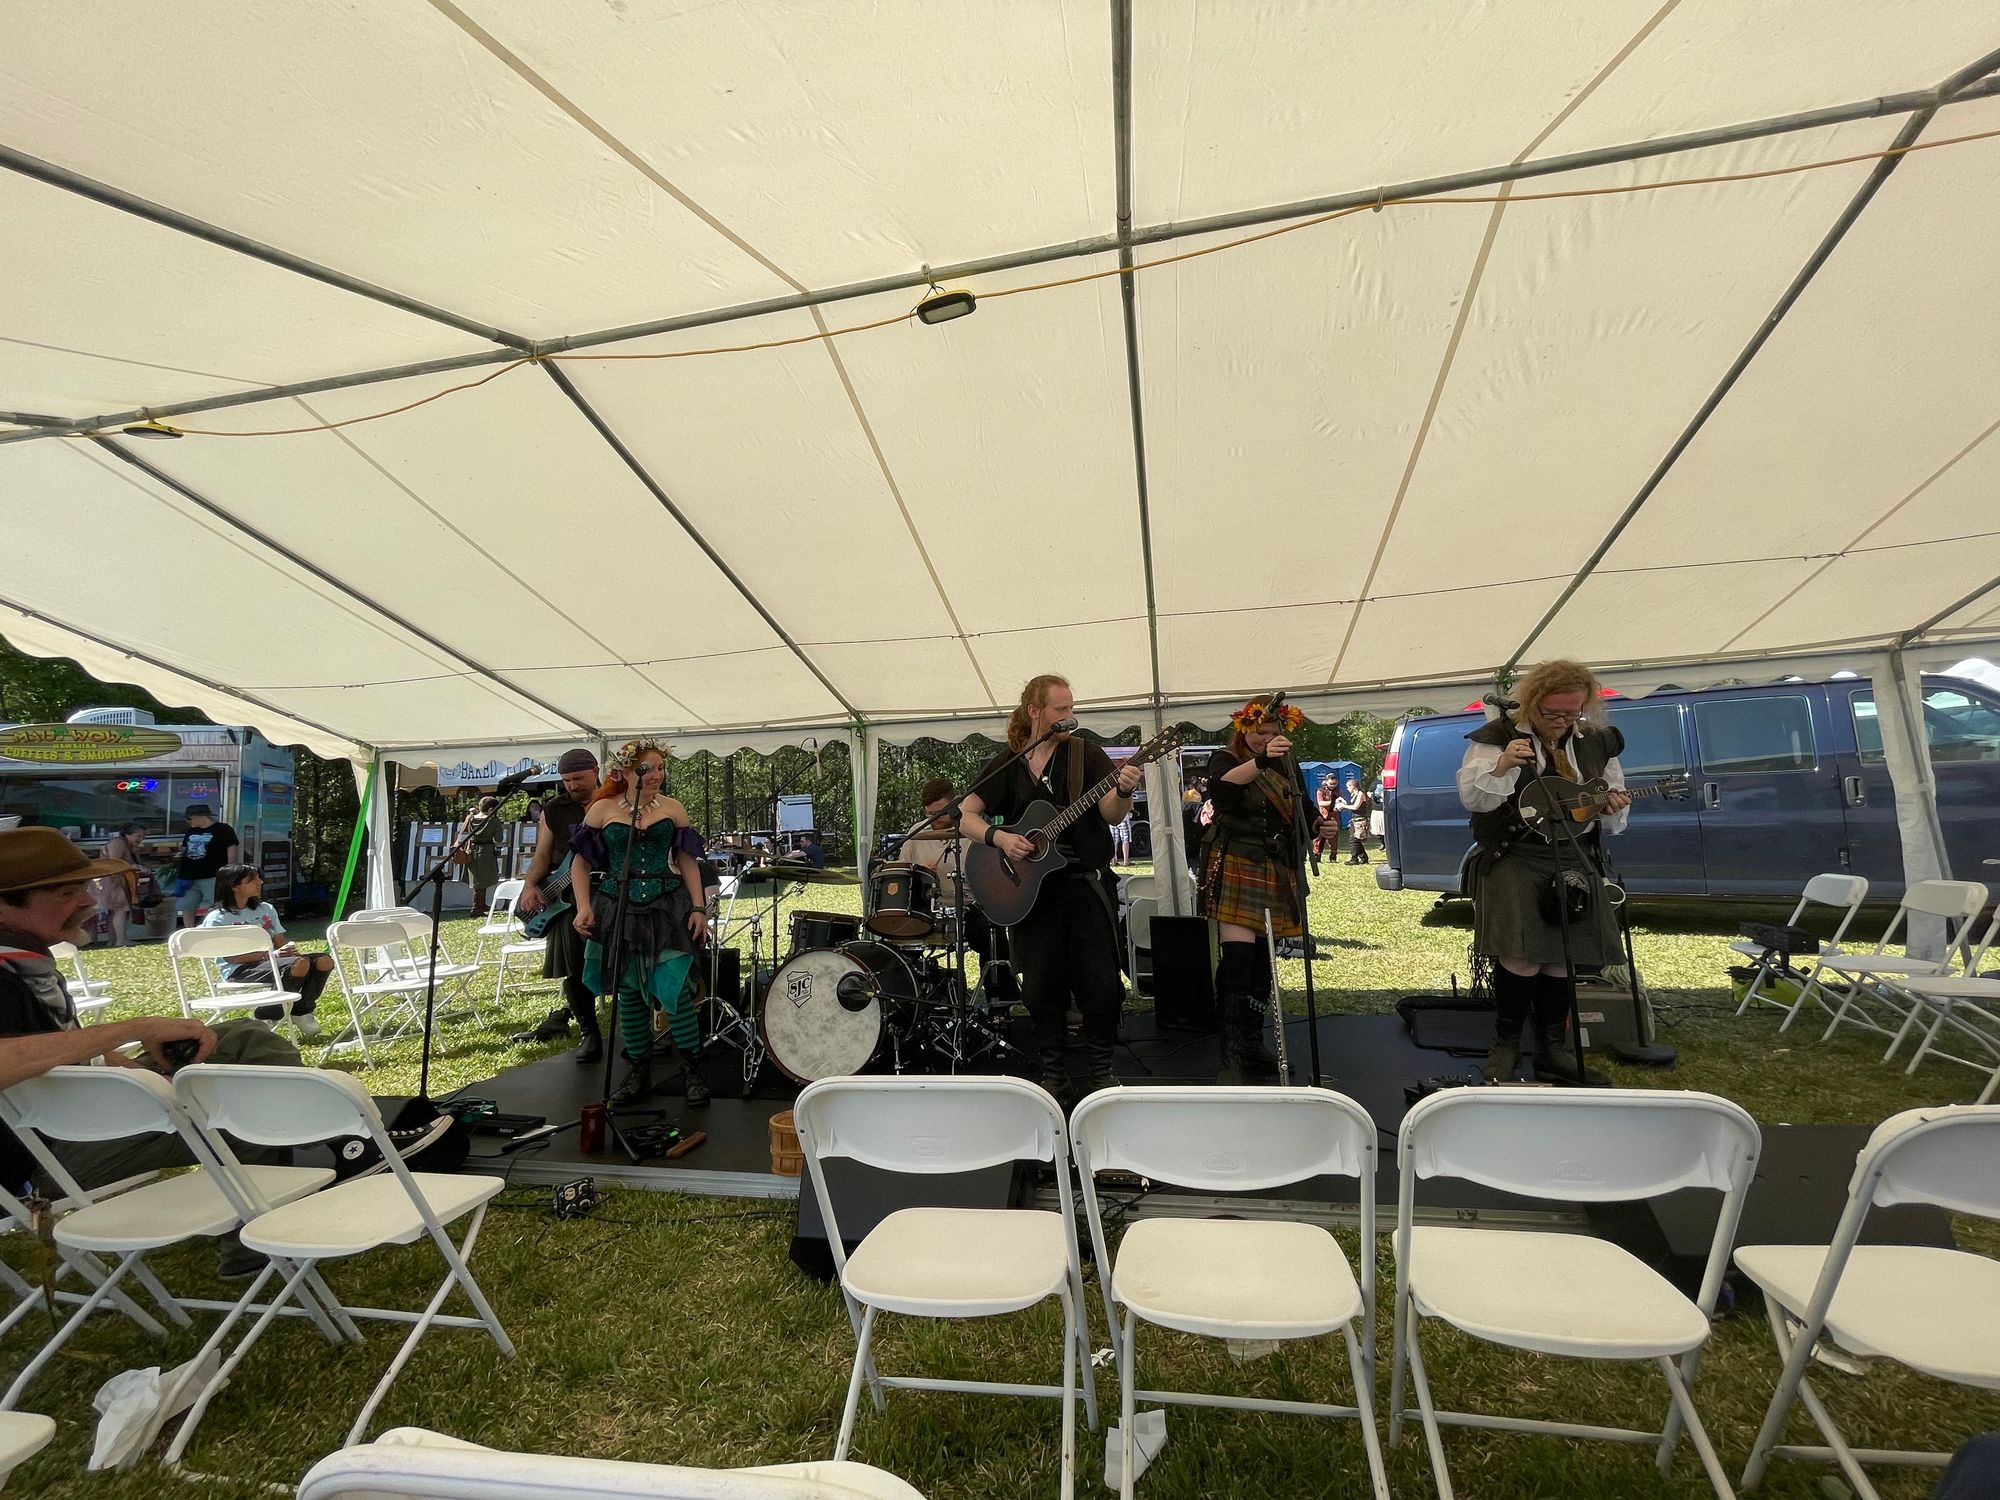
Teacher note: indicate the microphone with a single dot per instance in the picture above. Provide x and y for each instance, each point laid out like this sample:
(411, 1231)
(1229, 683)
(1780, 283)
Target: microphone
(1064, 726)
(856, 992)
(514, 783)
(1505, 704)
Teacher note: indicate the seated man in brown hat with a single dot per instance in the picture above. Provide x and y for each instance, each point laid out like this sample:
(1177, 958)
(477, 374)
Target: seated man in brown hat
(44, 899)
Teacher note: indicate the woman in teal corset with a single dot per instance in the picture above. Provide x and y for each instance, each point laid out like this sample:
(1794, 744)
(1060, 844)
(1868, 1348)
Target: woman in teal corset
(663, 918)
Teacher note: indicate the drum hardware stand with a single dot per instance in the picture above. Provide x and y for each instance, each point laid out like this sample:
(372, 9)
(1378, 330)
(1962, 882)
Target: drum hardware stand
(734, 1023)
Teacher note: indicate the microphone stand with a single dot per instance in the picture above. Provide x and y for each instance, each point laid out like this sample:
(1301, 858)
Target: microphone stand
(420, 1110)
(1300, 887)
(615, 951)
(1568, 827)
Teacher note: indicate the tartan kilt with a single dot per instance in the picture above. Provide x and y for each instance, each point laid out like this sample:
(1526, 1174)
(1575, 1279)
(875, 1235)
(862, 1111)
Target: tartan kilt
(563, 955)
(1238, 886)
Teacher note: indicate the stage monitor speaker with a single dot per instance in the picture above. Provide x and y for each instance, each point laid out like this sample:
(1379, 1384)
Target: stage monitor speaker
(728, 975)
(864, 1196)
(1184, 973)
(1605, 1013)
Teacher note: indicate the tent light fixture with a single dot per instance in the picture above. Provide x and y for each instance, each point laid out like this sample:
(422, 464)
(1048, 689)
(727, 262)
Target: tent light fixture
(152, 428)
(941, 306)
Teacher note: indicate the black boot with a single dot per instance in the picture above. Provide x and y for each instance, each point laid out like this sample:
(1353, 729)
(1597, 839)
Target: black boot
(1513, 996)
(636, 1085)
(590, 1046)
(1231, 1073)
(554, 1027)
(1101, 1077)
(698, 1091)
(589, 1049)
(1055, 1069)
(1555, 1049)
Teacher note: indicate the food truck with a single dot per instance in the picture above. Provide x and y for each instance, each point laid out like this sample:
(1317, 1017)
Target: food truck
(106, 767)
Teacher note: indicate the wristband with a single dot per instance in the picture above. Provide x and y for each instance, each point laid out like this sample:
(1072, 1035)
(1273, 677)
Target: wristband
(986, 838)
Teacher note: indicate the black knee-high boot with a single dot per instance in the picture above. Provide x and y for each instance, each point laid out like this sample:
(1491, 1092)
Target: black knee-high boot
(1555, 1053)
(1514, 998)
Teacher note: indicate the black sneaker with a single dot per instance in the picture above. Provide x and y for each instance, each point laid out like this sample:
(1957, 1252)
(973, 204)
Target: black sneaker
(554, 1028)
(357, 1157)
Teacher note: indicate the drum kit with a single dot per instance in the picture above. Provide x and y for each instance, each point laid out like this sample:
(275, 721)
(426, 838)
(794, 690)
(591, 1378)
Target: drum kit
(888, 990)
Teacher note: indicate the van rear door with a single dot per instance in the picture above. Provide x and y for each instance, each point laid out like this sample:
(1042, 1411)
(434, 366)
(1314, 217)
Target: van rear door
(1659, 853)
(1962, 730)
(1769, 789)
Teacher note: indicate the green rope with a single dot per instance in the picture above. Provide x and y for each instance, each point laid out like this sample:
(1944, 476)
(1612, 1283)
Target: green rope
(354, 843)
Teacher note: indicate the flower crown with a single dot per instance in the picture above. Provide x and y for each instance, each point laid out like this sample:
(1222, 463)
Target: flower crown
(1254, 716)
(629, 753)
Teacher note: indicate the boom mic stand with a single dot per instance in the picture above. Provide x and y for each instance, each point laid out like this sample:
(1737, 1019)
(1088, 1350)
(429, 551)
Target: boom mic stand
(421, 1109)
(1584, 1077)
(1300, 888)
(615, 951)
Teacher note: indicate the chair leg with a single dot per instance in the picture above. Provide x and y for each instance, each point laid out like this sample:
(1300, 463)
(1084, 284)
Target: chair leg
(1684, 1404)
(1128, 1404)
(1364, 1400)
(167, 1301)
(1432, 1437)
(1902, 1032)
(215, 1386)
(1992, 1087)
(1930, 1037)
(98, 1296)
(1840, 1011)
(1069, 1308)
(854, 1380)
(1807, 993)
(1083, 1351)
(1396, 1360)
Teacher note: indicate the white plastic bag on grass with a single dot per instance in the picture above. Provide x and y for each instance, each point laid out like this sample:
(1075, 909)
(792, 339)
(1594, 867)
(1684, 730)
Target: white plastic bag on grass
(1149, 1436)
(133, 1407)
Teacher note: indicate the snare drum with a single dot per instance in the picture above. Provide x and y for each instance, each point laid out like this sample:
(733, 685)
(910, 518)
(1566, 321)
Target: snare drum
(822, 929)
(823, 1015)
(904, 899)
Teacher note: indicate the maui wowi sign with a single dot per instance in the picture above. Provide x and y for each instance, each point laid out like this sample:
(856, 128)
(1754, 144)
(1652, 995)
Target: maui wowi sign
(85, 744)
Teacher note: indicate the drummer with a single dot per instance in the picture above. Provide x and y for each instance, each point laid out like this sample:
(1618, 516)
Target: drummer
(937, 851)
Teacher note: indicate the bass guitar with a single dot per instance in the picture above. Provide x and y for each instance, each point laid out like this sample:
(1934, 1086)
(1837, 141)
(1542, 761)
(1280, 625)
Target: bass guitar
(1006, 888)
(556, 902)
(1546, 800)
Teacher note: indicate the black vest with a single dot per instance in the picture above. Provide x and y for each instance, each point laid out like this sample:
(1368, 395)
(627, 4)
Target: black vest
(1592, 749)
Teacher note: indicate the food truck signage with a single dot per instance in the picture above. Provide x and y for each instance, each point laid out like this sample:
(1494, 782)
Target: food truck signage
(85, 744)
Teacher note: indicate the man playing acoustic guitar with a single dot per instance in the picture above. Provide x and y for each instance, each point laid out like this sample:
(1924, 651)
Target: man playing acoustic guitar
(1066, 948)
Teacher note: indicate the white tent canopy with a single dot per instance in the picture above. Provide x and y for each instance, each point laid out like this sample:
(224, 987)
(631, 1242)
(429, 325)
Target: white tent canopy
(1735, 427)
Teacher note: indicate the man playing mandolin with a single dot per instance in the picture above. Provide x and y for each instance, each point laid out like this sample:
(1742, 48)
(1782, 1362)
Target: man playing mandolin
(1066, 947)
(1518, 919)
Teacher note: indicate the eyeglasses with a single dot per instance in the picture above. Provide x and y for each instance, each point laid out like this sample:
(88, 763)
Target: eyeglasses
(1568, 716)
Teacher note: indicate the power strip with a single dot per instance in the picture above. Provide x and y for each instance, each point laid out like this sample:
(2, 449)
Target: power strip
(577, 1198)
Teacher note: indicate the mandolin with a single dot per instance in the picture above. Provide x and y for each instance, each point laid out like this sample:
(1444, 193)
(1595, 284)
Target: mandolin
(1546, 799)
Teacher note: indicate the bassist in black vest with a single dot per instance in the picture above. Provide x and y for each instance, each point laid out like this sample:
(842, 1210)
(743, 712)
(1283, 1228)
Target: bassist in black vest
(1066, 949)
(563, 957)
(1517, 924)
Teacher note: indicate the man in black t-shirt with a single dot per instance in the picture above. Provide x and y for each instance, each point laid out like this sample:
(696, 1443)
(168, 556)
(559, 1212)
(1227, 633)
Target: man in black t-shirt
(205, 848)
(562, 958)
(1066, 948)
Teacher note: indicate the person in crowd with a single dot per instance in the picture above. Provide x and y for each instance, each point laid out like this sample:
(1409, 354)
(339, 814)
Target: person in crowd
(1527, 925)
(1378, 818)
(479, 836)
(1121, 840)
(562, 957)
(205, 848)
(44, 899)
(1250, 867)
(116, 895)
(1066, 948)
(810, 850)
(654, 915)
(1354, 802)
(1326, 823)
(239, 902)
(1194, 798)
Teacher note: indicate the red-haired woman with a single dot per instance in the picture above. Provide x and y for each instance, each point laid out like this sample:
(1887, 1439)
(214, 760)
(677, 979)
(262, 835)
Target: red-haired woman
(663, 917)
(1066, 949)
(1250, 866)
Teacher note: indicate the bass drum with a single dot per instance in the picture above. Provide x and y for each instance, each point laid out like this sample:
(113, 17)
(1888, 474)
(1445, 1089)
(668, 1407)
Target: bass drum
(823, 1014)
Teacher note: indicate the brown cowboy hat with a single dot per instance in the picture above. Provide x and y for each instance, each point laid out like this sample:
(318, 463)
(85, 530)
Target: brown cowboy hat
(31, 858)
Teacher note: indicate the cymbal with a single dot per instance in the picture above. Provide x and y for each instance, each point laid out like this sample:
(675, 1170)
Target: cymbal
(784, 873)
(934, 836)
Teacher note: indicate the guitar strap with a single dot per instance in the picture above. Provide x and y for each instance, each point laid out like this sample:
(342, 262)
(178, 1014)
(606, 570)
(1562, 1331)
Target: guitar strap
(1100, 880)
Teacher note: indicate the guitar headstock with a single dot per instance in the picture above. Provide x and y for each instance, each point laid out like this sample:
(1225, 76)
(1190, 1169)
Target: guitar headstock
(1165, 742)
(1676, 787)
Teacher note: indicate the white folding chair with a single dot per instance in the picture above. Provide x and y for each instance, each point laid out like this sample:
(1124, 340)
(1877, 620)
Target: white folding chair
(510, 941)
(498, 924)
(1930, 1309)
(81, 986)
(385, 977)
(410, 1462)
(1568, 1294)
(1233, 1278)
(203, 948)
(1967, 1004)
(16, 1218)
(1878, 977)
(103, 1104)
(22, 1436)
(951, 1262)
(1139, 942)
(297, 1106)
(1843, 893)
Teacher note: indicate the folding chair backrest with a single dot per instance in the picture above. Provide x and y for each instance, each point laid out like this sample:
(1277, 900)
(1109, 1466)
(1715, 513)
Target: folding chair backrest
(217, 942)
(1574, 1147)
(1844, 891)
(505, 894)
(366, 934)
(69, 953)
(929, 1125)
(1954, 900)
(278, 1106)
(1139, 921)
(92, 1104)
(1949, 1156)
(1225, 1139)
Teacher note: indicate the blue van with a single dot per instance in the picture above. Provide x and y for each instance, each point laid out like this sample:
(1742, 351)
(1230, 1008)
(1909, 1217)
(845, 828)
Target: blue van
(1788, 781)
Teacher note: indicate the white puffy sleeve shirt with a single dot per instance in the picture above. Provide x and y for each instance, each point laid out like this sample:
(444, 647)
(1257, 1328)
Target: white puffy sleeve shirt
(1483, 787)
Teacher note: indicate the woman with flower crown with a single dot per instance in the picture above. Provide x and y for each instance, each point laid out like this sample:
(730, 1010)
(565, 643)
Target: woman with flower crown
(663, 919)
(1250, 865)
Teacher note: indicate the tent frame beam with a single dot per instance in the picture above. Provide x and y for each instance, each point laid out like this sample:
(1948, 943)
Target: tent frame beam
(54, 176)
(1919, 120)
(653, 487)
(347, 591)
(1865, 109)
(1916, 632)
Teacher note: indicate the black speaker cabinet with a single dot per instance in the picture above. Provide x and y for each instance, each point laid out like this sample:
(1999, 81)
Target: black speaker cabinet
(1184, 973)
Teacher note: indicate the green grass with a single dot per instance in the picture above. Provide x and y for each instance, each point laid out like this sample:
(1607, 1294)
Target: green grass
(674, 1329)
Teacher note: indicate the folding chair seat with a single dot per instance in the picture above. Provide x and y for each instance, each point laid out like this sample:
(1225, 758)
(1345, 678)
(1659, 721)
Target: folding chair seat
(1932, 1310)
(408, 1461)
(1554, 1293)
(294, 1107)
(1963, 1005)
(102, 1104)
(1843, 893)
(1233, 1278)
(1879, 977)
(214, 998)
(15, 1218)
(950, 1262)
(22, 1436)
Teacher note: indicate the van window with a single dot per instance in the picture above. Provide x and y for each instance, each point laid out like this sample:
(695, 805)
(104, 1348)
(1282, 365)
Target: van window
(1653, 741)
(1959, 726)
(1434, 757)
(1756, 734)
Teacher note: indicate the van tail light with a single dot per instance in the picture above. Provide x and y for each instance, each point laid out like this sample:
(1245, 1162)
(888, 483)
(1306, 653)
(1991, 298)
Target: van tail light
(1389, 769)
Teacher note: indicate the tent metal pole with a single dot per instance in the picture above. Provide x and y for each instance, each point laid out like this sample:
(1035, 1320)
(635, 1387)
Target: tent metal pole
(130, 203)
(1864, 109)
(1946, 613)
(1908, 687)
(1128, 303)
(1913, 128)
(653, 487)
(272, 544)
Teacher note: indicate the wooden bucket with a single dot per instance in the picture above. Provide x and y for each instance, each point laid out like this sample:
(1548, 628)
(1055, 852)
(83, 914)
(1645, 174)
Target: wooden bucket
(787, 1160)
